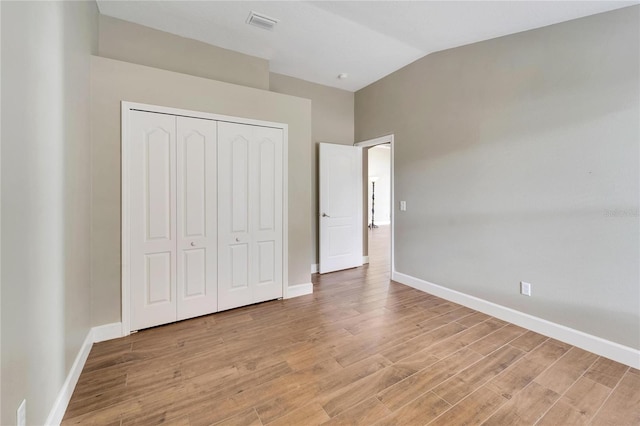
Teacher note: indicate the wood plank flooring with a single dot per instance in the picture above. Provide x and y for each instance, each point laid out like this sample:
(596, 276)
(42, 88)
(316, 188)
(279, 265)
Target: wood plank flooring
(360, 351)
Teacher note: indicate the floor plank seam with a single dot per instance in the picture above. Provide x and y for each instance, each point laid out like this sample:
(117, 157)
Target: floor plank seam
(361, 344)
(567, 389)
(595, 414)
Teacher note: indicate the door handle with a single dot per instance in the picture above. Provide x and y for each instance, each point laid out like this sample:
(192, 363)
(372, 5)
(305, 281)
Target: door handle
(325, 215)
(193, 244)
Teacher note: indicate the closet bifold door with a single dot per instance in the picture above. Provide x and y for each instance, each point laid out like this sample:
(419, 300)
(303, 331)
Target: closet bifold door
(196, 259)
(250, 228)
(152, 147)
(173, 217)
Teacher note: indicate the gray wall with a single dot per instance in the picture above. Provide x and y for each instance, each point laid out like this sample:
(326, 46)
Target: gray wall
(332, 121)
(45, 198)
(518, 158)
(129, 42)
(114, 81)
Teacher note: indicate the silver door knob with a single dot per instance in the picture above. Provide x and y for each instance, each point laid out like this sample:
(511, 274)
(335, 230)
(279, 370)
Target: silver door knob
(325, 215)
(193, 244)
(237, 240)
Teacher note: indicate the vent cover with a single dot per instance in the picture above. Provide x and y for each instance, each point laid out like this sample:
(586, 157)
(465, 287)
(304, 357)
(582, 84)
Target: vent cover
(261, 21)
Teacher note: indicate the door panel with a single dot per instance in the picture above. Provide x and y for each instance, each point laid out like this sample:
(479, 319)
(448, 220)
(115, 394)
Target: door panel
(266, 266)
(194, 149)
(157, 163)
(266, 257)
(196, 217)
(250, 242)
(152, 200)
(340, 207)
(339, 241)
(233, 219)
(239, 267)
(239, 184)
(267, 185)
(157, 278)
(341, 191)
(195, 273)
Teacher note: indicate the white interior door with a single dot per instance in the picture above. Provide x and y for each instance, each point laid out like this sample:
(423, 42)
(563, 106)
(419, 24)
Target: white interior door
(152, 144)
(265, 220)
(196, 259)
(340, 207)
(203, 219)
(250, 227)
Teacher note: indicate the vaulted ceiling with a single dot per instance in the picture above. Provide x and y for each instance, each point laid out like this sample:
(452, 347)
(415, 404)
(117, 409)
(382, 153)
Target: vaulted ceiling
(318, 40)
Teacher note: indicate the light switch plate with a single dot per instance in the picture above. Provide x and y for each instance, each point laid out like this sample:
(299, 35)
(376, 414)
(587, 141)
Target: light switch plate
(403, 206)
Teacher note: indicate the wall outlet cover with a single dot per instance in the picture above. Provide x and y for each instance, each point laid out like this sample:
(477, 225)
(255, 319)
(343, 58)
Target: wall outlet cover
(525, 288)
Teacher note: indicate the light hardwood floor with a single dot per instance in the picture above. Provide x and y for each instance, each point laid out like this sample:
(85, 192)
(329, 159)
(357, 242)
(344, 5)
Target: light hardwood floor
(360, 350)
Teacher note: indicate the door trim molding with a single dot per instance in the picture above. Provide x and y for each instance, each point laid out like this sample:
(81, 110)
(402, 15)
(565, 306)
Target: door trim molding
(375, 141)
(390, 139)
(126, 109)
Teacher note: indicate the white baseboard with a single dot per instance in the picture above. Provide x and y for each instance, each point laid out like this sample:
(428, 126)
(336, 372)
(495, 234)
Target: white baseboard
(64, 396)
(107, 332)
(365, 260)
(95, 335)
(299, 290)
(588, 342)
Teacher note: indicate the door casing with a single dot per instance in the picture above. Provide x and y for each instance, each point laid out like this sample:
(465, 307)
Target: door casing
(367, 144)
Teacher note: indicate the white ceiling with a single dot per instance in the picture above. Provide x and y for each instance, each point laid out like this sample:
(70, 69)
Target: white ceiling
(318, 40)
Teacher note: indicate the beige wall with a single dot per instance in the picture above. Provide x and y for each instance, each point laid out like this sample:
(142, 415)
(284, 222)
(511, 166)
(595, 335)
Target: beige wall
(46, 47)
(332, 121)
(115, 81)
(518, 158)
(129, 42)
(332, 109)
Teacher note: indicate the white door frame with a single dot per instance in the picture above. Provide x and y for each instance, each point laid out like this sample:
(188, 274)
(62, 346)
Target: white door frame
(126, 108)
(367, 144)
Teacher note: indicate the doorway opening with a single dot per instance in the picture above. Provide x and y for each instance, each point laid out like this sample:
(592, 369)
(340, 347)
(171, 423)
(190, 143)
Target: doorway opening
(378, 202)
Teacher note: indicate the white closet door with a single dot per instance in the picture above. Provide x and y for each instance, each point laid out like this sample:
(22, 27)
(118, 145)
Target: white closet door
(266, 213)
(196, 218)
(249, 214)
(152, 144)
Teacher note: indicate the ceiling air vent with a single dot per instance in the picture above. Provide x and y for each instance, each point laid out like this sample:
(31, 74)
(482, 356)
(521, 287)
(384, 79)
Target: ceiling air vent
(261, 21)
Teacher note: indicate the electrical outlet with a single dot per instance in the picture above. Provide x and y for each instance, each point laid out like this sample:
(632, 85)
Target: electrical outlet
(403, 206)
(525, 288)
(21, 414)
